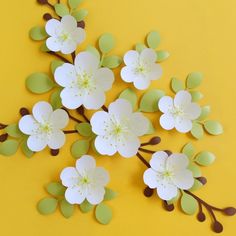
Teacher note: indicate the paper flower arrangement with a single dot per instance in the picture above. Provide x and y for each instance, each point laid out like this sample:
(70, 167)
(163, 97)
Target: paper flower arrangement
(78, 82)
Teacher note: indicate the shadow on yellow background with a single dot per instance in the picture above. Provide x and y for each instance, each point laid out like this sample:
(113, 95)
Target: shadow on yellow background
(201, 36)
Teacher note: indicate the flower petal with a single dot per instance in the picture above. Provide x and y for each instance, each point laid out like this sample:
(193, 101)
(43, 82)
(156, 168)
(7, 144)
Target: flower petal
(128, 74)
(193, 111)
(68, 46)
(65, 75)
(182, 99)
(75, 195)
(150, 178)
(99, 121)
(100, 176)
(167, 190)
(165, 104)
(53, 44)
(36, 143)
(105, 146)
(52, 27)
(71, 98)
(183, 179)
(85, 163)
(42, 111)
(177, 162)
(120, 108)
(94, 100)
(28, 125)
(148, 56)
(158, 161)
(131, 58)
(57, 139)
(155, 72)
(95, 195)
(79, 35)
(69, 23)
(167, 121)
(141, 82)
(104, 78)
(86, 62)
(59, 119)
(139, 124)
(69, 177)
(183, 125)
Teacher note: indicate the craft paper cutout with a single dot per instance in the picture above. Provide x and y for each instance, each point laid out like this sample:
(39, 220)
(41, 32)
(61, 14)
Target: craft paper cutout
(78, 83)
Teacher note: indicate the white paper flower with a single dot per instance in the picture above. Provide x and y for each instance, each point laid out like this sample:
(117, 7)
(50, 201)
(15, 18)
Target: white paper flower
(141, 68)
(118, 129)
(178, 112)
(168, 174)
(84, 83)
(64, 35)
(44, 127)
(85, 181)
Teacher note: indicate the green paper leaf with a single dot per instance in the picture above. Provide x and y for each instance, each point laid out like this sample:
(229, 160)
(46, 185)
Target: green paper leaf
(204, 113)
(129, 95)
(162, 56)
(197, 185)
(188, 204)
(55, 99)
(110, 194)
(111, 62)
(44, 47)
(196, 96)
(94, 148)
(197, 130)
(194, 80)
(151, 129)
(74, 3)
(94, 51)
(84, 129)
(61, 9)
(67, 210)
(103, 214)
(39, 83)
(79, 148)
(195, 170)
(47, 206)
(106, 43)
(13, 131)
(188, 150)
(9, 147)
(56, 189)
(38, 33)
(55, 64)
(24, 147)
(205, 158)
(177, 85)
(153, 39)
(80, 15)
(149, 101)
(213, 127)
(175, 199)
(86, 206)
(139, 47)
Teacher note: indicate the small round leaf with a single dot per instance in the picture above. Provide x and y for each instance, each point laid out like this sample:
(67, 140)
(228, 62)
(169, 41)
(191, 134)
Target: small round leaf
(47, 206)
(111, 62)
(197, 130)
(67, 210)
(139, 47)
(55, 64)
(204, 113)
(38, 33)
(84, 129)
(162, 56)
(177, 85)
(79, 148)
(197, 185)
(9, 147)
(56, 189)
(129, 95)
(24, 147)
(94, 51)
(188, 150)
(61, 9)
(13, 131)
(153, 39)
(80, 15)
(44, 48)
(85, 206)
(74, 3)
(103, 214)
(205, 158)
(151, 129)
(213, 127)
(194, 80)
(188, 204)
(195, 170)
(196, 96)
(106, 43)
(109, 194)
(55, 99)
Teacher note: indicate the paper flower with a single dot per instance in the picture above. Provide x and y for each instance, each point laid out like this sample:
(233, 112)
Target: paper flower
(118, 129)
(178, 112)
(141, 68)
(85, 181)
(84, 83)
(44, 127)
(64, 35)
(168, 174)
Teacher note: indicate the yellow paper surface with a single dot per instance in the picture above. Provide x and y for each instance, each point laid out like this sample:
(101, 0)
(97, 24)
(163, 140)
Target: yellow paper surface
(201, 36)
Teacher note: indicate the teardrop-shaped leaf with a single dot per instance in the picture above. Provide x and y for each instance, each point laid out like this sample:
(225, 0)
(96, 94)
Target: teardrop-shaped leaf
(47, 206)
(196, 96)
(38, 33)
(177, 85)
(189, 205)
(197, 130)
(197, 185)
(79, 148)
(153, 39)
(188, 150)
(9, 147)
(55, 99)
(24, 147)
(194, 80)
(139, 47)
(74, 3)
(205, 158)
(111, 62)
(80, 15)
(195, 170)
(129, 95)
(151, 129)
(175, 199)
(84, 129)
(204, 113)
(213, 127)
(86, 206)
(106, 43)
(61, 9)
(67, 210)
(103, 214)
(162, 56)
(55, 64)
(44, 48)
(94, 51)
(56, 189)
(39, 83)
(13, 131)
(109, 194)
(94, 148)
(149, 101)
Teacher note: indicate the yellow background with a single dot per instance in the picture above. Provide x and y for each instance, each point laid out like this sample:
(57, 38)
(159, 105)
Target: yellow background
(200, 35)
